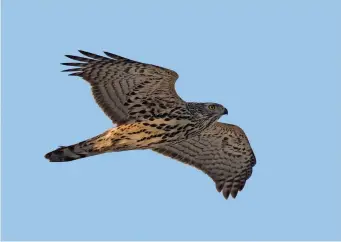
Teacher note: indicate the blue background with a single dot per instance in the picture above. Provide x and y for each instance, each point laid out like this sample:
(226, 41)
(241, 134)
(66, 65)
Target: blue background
(274, 64)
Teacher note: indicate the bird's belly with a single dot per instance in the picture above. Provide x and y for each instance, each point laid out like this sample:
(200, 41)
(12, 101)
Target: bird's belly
(149, 134)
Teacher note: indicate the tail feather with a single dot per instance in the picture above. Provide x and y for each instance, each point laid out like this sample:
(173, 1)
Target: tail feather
(111, 140)
(67, 153)
(93, 146)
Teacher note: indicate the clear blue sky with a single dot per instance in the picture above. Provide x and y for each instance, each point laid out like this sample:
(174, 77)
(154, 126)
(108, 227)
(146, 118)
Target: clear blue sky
(274, 64)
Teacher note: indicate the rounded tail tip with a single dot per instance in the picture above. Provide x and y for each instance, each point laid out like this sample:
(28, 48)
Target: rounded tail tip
(58, 155)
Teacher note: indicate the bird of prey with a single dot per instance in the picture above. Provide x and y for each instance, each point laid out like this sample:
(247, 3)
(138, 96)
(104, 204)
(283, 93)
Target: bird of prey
(141, 100)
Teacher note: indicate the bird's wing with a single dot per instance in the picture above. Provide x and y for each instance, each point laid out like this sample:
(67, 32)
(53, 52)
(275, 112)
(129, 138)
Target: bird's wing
(222, 151)
(123, 87)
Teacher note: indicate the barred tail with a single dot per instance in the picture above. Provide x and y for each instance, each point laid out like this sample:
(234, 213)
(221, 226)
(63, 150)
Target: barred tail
(67, 153)
(94, 146)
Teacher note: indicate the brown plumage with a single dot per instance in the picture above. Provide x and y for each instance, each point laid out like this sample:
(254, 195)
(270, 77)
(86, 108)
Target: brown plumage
(141, 99)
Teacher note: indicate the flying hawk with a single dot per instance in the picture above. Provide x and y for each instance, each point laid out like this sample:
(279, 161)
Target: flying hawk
(141, 100)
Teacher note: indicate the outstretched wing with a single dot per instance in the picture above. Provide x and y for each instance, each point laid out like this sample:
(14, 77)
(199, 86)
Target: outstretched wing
(124, 88)
(222, 151)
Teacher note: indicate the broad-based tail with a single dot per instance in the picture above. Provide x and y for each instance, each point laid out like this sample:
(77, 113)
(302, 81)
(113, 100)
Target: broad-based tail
(120, 138)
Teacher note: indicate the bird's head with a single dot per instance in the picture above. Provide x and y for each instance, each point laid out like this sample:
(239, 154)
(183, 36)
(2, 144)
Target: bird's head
(214, 109)
(210, 110)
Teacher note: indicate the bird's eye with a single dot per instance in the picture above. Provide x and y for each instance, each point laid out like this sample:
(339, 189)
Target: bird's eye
(211, 107)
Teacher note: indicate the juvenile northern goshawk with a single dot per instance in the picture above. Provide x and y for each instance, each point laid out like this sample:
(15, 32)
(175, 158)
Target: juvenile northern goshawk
(141, 99)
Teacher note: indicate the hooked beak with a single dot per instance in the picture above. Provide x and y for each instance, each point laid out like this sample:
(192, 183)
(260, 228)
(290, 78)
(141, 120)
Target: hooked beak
(225, 111)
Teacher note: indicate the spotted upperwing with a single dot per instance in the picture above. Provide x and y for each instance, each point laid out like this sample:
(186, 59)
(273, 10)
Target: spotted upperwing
(123, 87)
(222, 151)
